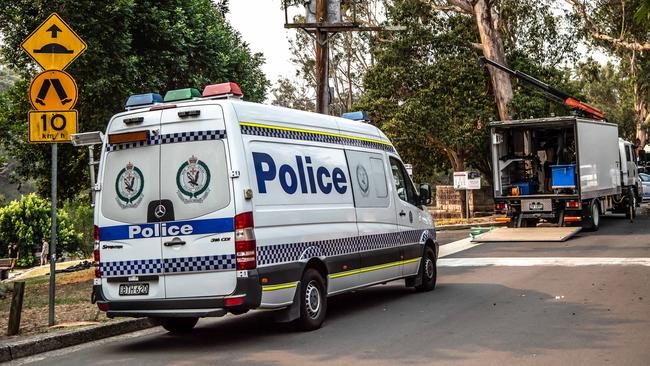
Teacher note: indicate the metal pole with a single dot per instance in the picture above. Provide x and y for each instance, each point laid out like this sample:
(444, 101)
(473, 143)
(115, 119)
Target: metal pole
(91, 164)
(322, 60)
(467, 204)
(51, 320)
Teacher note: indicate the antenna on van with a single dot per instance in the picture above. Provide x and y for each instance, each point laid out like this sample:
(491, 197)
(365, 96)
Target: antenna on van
(582, 108)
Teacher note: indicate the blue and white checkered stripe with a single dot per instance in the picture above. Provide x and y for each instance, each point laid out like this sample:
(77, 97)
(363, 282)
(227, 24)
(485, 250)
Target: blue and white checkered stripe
(282, 253)
(307, 136)
(171, 138)
(168, 265)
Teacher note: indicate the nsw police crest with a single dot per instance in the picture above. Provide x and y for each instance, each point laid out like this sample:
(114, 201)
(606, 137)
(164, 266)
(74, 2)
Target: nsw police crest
(192, 180)
(363, 179)
(129, 185)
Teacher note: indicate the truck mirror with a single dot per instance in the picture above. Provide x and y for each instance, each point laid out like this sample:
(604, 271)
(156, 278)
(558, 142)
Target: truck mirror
(425, 194)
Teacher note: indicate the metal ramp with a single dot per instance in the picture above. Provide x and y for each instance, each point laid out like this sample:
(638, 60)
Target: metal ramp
(505, 234)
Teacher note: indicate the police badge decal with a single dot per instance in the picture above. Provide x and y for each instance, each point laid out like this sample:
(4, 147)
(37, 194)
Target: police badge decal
(129, 185)
(192, 180)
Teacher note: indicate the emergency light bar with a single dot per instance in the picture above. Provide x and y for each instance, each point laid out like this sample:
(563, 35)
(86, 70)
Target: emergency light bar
(223, 90)
(181, 94)
(122, 138)
(143, 99)
(357, 116)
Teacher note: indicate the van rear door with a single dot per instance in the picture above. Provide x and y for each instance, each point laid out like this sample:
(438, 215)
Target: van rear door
(130, 255)
(197, 228)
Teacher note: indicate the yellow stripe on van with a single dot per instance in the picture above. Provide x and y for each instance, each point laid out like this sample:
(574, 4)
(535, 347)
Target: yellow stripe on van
(279, 287)
(313, 131)
(373, 268)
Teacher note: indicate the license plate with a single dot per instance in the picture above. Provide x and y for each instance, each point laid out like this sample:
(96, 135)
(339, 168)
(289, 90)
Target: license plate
(539, 205)
(134, 289)
(536, 206)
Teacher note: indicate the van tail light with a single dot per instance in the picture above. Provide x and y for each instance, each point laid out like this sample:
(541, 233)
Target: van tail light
(572, 204)
(501, 206)
(245, 244)
(98, 273)
(96, 232)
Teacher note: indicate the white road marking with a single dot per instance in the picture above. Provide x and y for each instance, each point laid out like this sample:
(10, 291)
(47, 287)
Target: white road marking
(542, 261)
(457, 246)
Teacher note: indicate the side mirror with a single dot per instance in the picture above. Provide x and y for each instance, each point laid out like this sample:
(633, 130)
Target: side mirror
(425, 194)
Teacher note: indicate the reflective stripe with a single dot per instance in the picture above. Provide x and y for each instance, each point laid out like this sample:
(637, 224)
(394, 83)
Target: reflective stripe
(373, 268)
(279, 287)
(314, 131)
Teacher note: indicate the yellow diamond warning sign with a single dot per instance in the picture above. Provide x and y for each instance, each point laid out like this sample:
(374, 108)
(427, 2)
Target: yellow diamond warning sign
(52, 126)
(54, 45)
(53, 90)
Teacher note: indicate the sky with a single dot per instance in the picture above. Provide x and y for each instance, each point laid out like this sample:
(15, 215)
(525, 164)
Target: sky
(261, 24)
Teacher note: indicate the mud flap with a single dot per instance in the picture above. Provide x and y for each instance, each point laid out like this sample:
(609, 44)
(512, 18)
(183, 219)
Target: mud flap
(292, 312)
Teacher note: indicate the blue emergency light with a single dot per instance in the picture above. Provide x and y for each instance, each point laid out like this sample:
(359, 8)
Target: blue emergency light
(143, 99)
(357, 116)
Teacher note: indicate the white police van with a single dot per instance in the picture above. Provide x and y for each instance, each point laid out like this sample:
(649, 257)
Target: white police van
(207, 205)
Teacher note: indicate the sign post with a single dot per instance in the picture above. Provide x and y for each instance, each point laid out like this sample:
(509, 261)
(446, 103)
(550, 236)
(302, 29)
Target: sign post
(53, 45)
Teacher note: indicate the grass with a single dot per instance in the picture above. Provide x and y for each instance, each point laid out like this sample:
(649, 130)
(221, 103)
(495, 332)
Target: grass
(72, 302)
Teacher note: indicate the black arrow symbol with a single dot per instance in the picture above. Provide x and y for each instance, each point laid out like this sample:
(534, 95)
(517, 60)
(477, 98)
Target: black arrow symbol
(54, 29)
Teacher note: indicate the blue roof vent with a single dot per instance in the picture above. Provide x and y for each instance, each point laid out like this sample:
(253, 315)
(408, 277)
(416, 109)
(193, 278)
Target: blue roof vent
(143, 99)
(357, 116)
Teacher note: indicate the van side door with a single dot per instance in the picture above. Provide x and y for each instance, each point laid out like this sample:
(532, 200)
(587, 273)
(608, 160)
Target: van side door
(379, 245)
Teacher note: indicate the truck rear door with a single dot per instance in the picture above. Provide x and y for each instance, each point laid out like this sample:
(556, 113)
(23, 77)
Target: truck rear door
(197, 226)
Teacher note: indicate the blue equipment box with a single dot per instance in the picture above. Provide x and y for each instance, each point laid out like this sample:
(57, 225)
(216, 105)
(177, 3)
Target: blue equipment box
(526, 188)
(563, 176)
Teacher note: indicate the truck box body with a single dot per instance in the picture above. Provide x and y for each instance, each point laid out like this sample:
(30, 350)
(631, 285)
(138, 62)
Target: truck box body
(555, 167)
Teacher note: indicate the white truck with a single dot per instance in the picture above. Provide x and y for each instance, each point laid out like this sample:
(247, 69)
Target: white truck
(563, 170)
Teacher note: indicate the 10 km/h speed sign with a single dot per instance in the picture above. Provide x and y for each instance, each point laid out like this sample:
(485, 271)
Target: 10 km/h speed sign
(52, 126)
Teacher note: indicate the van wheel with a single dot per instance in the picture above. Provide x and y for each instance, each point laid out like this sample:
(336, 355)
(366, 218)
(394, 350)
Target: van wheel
(428, 270)
(313, 300)
(591, 218)
(177, 325)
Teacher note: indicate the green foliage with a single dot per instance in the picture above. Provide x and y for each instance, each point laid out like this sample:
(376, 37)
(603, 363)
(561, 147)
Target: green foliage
(426, 92)
(27, 221)
(134, 46)
(642, 15)
(80, 213)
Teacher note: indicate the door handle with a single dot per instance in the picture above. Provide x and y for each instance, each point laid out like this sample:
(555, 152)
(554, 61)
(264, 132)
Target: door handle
(402, 213)
(174, 242)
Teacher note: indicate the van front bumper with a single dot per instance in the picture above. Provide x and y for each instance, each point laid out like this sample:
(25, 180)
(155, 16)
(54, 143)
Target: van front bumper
(248, 288)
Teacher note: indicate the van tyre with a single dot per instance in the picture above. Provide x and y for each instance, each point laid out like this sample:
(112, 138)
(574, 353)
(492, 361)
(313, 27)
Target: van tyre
(313, 301)
(591, 218)
(428, 270)
(178, 325)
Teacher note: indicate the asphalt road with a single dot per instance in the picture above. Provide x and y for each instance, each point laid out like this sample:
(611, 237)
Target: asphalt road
(579, 312)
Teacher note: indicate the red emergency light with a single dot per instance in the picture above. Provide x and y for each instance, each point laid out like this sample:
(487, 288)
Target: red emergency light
(223, 90)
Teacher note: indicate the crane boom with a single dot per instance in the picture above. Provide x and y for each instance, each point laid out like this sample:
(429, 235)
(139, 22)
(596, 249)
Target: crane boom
(558, 94)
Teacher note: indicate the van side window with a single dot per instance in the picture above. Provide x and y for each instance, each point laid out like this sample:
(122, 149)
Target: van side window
(369, 179)
(403, 186)
(628, 153)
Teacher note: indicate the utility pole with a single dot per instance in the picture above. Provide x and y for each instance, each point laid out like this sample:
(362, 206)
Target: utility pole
(326, 23)
(322, 60)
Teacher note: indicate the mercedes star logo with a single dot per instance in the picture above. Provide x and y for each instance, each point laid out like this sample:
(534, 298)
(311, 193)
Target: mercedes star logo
(160, 211)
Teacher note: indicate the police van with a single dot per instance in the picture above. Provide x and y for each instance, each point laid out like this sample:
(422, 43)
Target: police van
(208, 205)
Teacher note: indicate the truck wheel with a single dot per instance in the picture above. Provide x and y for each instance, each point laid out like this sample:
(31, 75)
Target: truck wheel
(313, 300)
(177, 325)
(591, 218)
(428, 270)
(630, 208)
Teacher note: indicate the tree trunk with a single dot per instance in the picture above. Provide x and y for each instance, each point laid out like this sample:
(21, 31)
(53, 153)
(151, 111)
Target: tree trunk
(457, 159)
(493, 50)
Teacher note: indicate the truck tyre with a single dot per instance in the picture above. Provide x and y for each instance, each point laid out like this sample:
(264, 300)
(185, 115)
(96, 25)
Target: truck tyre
(177, 325)
(313, 300)
(591, 218)
(428, 270)
(630, 208)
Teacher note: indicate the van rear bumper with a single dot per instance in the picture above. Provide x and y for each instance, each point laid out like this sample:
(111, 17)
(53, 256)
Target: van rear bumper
(248, 288)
